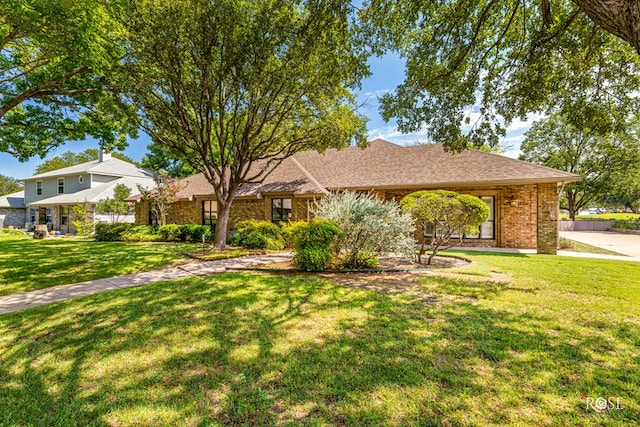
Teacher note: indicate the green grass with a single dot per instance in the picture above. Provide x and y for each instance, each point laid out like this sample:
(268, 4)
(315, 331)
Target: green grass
(605, 216)
(508, 340)
(573, 245)
(27, 264)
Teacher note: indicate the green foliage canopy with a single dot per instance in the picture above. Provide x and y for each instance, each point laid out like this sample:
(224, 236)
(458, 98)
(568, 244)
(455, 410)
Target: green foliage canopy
(161, 160)
(235, 86)
(8, 185)
(54, 59)
(603, 160)
(474, 66)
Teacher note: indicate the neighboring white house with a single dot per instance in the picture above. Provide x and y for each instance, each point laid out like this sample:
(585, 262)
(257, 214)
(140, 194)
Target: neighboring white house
(49, 197)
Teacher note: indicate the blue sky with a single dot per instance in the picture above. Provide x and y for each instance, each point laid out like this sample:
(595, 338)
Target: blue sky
(387, 73)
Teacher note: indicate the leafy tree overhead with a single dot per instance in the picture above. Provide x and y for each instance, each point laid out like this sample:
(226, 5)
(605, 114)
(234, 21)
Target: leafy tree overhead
(441, 215)
(70, 158)
(159, 159)
(510, 57)
(115, 207)
(9, 185)
(236, 86)
(54, 56)
(601, 160)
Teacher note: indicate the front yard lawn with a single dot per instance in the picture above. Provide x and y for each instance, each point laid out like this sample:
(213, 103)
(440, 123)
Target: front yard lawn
(509, 340)
(27, 264)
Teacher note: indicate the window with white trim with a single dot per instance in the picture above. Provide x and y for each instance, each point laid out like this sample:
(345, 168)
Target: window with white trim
(60, 185)
(39, 188)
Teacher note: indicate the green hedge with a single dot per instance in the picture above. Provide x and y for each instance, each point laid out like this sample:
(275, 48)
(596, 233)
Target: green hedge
(252, 234)
(147, 233)
(628, 224)
(315, 244)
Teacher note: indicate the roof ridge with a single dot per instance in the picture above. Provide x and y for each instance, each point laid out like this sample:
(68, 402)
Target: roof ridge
(309, 176)
(491, 154)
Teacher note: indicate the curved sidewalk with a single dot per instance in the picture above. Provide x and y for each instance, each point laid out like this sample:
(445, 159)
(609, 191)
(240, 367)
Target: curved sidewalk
(25, 300)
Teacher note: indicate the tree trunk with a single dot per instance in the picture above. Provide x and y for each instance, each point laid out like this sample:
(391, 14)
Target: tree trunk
(224, 208)
(571, 201)
(618, 17)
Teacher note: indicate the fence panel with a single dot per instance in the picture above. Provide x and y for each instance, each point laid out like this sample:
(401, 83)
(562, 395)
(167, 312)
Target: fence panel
(584, 225)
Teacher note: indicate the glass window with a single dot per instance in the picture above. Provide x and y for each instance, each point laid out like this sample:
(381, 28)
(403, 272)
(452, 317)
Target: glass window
(39, 188)
(64, 215)
(60, 185)
(280, 210)
(486, 230)
(153, 218)
(209, 213)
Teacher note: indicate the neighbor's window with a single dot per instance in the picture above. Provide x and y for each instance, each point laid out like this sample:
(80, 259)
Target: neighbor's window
(39, 188)
(64, 215)
(280, 210)
(60, 185)
(209, 213)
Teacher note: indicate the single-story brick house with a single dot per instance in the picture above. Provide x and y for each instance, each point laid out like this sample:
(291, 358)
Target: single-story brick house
(523, 197)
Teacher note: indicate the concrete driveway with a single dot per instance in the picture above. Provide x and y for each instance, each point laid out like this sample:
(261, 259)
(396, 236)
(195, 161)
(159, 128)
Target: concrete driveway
(627, 244)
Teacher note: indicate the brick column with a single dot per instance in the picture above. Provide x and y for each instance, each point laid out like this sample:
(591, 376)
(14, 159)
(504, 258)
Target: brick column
(548, 212)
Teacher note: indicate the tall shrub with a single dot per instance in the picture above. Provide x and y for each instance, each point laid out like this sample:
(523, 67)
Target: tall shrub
(82, 219)
(314, 243)
(370, 227)
(442, 214)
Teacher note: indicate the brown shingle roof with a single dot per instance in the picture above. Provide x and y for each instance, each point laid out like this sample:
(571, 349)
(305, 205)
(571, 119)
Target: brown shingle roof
(386, 165)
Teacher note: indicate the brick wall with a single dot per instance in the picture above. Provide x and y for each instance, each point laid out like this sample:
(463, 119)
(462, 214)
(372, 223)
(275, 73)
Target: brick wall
(522, 218)
(242, 209)
(518, 213)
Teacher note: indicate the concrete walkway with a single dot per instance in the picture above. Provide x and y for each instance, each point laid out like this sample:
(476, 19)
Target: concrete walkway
(25, 300)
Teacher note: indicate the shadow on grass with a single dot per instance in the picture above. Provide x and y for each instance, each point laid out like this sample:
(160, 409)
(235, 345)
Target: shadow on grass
(261, 350)
(36, 264)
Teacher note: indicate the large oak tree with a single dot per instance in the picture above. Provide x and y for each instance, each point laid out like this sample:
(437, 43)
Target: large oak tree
(236, 86)
(54, 56)
(607, 163)
(474, 66)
